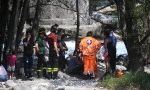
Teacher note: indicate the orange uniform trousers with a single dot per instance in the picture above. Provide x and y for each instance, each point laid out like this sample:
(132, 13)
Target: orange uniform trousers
(89, 64)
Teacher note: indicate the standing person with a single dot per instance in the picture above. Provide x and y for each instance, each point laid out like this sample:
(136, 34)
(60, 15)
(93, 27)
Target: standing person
(11, 63)
(88, 48)
(110, 51)
(41, 51)
(62, 48)
(53, 53)
(28, 43)
(59, 34)
(55, 26)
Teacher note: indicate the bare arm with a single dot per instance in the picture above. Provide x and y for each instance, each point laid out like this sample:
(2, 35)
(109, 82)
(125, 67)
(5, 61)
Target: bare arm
(55, 46)
(35, 48)
(105, 43)
(105, 46)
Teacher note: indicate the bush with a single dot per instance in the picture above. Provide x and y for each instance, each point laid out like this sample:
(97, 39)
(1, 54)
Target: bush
(129, 81)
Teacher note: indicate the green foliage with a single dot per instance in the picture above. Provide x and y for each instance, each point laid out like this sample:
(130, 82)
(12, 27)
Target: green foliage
(128, 81)
(114, 13)
(138, 11)
(138, 17)
(147, 6)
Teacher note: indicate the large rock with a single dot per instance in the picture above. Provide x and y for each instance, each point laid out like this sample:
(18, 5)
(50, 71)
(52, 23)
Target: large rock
(104, 19)
(10, 83)
(66, 11)
(71, 29)
(58, 21)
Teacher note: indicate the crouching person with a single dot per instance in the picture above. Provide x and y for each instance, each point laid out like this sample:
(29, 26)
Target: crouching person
(88, 48)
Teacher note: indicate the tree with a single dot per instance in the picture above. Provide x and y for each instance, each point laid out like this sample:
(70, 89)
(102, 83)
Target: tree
(4, 11)
(24, 14)
(133, 24)
(12, 28)
(78, 27)
(121, 15)
(36, 18)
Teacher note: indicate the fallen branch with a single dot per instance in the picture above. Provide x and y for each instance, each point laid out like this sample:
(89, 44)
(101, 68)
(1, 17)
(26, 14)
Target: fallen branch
(103, 7)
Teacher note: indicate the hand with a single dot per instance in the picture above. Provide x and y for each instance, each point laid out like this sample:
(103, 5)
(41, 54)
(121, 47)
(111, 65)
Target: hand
(66, 49)
(57, 55)
(25, 43)
(58, 49)
(34, 54)
(28, 38)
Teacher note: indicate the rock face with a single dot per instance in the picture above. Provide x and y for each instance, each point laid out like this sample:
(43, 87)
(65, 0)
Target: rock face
(105, 19)
(64, 12)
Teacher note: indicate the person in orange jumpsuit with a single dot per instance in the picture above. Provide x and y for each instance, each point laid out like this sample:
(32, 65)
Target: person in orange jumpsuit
(88, 48)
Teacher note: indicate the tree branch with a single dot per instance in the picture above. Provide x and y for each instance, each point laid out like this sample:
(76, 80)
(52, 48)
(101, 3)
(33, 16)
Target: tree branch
(64, 3)
(145, 37)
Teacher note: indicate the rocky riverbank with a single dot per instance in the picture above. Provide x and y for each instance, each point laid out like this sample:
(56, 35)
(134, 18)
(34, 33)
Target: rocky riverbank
(65, 82)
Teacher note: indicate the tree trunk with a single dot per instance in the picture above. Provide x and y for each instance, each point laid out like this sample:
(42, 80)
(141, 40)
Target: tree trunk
(36, 19)
(3, 24)
(21, 23)
(121, 15)
(134, 49)
(146, 38)
(12, 29)
(78, 27)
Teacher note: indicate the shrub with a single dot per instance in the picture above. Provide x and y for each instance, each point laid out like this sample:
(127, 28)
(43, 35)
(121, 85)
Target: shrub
(129, 81)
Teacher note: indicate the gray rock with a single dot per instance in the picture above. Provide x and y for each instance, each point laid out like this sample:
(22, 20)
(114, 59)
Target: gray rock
(10, 83)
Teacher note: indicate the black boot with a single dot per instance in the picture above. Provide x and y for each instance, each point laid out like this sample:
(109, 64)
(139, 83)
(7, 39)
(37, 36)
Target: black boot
(44, 73)
(39, 74)
(55, 75)
(49, 75)
(92, 76)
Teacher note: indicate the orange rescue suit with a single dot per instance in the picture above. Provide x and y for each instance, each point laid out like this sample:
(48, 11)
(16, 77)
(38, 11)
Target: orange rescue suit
(89, 47)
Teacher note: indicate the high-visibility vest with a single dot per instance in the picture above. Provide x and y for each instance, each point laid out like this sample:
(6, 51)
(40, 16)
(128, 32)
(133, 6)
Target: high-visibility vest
(89, 46)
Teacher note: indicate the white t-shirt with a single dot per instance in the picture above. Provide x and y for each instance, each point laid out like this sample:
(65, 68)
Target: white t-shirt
(101, 52)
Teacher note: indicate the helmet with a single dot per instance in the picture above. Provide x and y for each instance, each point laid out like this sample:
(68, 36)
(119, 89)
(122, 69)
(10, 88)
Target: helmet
(119, 73)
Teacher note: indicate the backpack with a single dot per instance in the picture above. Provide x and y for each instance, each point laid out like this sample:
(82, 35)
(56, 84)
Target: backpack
(3, 74)
(113, 38)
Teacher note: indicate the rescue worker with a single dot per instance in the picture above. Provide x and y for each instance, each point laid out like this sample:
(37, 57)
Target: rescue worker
(88, 48)
(41, 51)
(53, 54)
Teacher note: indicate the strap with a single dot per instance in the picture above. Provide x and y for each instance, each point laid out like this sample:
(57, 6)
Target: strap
(55, 69)
(49, 69)
(39, 70)
(44, 68)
